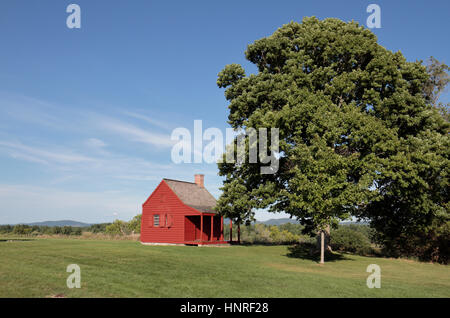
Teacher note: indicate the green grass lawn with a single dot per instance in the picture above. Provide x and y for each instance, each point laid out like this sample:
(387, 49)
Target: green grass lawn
(37, 268)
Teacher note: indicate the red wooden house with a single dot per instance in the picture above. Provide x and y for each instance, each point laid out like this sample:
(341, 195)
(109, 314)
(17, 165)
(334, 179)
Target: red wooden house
(180, 212)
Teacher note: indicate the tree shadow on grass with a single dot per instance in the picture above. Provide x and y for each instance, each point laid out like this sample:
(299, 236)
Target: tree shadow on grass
(16, 240)
(257, 243)
(308, 251)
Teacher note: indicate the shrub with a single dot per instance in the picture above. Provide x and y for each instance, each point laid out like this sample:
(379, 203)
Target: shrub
(118, 228)
(268, 234)
(97, 228)
(347, 239)
(135, 224)
(282, 237)
(431, 245)
(22, 229)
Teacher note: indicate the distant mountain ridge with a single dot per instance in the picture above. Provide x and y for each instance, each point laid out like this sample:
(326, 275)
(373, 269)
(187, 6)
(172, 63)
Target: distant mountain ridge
(59, 223)
(278, 221)
(294, 221)
(289, 220)
(270, 221)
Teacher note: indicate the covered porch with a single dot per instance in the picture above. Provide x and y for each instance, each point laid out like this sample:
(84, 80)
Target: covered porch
(203, 229)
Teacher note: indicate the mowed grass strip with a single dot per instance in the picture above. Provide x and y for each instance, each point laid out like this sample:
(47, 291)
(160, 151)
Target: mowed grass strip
(37, 268)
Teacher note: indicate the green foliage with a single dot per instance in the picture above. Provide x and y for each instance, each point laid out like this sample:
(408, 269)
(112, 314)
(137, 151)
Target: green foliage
(22, 229)
(350, 239)
(135, 224)
(118, 227)
(358, 134)
(275, 234)
(5, 229)
(283, 236)
(97, 228)
(432, 245)
(66, 230)
(437, 81)
(230, 74)
(364, 229)
(236, 202)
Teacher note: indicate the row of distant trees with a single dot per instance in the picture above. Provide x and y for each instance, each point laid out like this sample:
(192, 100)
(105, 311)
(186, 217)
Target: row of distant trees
(118, 227)
(34, 230)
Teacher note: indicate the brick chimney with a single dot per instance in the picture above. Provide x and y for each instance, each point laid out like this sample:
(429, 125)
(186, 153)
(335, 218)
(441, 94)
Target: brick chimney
(199, 180)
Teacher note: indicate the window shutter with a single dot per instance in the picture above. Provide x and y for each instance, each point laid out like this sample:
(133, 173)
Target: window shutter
(170, 220)
(150, 220)
(163, 221)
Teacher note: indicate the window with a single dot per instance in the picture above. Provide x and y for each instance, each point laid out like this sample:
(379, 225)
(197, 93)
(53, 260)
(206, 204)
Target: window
(156, 220)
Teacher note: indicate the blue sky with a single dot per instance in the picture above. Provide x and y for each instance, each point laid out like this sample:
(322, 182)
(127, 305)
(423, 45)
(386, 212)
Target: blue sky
(86, 114)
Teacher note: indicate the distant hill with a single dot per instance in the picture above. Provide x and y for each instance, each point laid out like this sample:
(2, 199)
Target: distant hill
(354, 222)
(270, 221)
(278, 221)
(288, 220)
(60, 223)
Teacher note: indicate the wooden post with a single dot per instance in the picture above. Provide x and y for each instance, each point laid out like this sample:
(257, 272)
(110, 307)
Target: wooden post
(221, 228)
(231, 230)
(201, 228)
(212, 227)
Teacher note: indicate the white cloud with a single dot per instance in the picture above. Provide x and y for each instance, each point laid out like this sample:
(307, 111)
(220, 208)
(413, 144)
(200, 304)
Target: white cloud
(71, 166)
(25, 157)
(95, 143)
(148, 119)
(34, 154)
(139, 177)
(34, 111)
(137, 134)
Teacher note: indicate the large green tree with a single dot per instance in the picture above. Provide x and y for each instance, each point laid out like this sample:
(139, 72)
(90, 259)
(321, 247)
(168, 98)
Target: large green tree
(357, 135)
(236, 203)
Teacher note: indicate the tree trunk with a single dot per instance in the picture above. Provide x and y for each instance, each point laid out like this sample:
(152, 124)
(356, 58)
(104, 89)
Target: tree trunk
(323, 242)
(327, 238)
(239, 233)
(322, 246)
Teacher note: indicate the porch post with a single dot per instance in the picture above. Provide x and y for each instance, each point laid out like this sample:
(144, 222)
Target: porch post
(212, 227)
(231, 230)
(221, 228)
(201, 228)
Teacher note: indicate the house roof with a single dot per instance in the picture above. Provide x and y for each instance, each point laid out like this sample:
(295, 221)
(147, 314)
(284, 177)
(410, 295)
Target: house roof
(193, 195)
